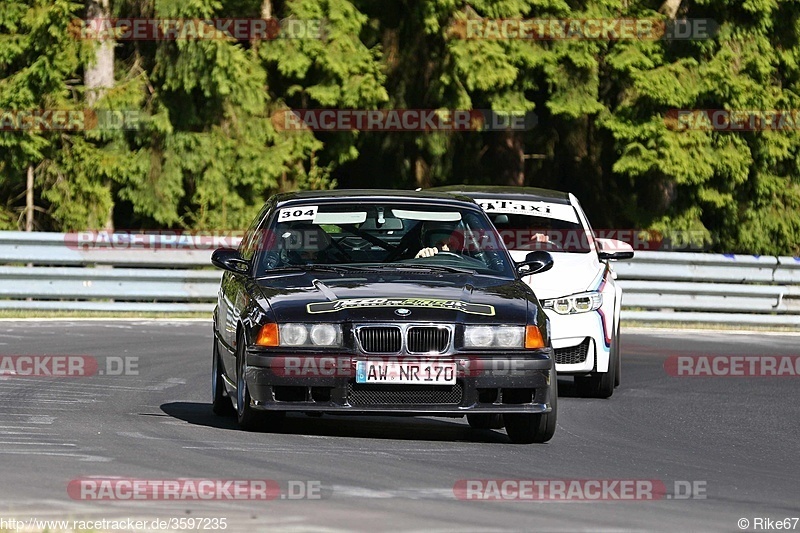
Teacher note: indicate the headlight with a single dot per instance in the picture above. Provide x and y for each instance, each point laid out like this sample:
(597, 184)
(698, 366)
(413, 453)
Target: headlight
(325, 334)
(494, 336)
(310, 335)
(576, 303)
(293, 334)
(478, 336)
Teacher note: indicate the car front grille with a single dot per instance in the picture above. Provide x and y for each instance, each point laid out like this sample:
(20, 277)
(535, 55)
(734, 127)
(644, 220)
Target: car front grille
(383, 339)
(573, 355)
(359, 394)
(388, 339)
(428, 339)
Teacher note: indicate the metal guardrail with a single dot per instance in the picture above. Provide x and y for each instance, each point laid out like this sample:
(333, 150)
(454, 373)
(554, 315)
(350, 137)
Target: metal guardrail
(53, 271)
(695, 287)
(53, 249)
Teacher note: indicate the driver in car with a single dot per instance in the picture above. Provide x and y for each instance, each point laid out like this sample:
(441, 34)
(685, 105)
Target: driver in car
(438, 237)
(303, 244)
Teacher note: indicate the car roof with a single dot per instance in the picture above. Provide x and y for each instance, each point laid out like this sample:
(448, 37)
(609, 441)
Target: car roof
(376, 194)
(509, 192)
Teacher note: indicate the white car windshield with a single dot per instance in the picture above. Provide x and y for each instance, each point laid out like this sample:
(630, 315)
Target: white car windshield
(527, 232)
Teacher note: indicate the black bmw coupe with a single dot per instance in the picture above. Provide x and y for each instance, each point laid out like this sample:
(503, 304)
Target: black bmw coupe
(374, 302)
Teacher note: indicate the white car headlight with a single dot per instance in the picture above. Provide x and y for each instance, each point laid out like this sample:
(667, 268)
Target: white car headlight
(310, 335)
(494, 336)
(576, 303)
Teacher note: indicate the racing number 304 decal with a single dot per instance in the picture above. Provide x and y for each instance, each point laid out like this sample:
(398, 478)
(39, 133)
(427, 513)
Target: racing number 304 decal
(353, 303)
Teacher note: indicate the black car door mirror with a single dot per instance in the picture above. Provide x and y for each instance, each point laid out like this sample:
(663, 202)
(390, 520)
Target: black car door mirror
(230, 260)
(535, 263)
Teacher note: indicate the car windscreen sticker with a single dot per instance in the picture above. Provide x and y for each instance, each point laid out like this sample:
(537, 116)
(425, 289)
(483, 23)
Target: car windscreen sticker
(524, 207)
(338, 219)
(301, 212)
(437, 216)
(430, 303)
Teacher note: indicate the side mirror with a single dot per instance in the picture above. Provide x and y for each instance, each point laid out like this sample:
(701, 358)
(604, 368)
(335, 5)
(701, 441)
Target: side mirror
(535, 263)
(230, 260)
(613, 250)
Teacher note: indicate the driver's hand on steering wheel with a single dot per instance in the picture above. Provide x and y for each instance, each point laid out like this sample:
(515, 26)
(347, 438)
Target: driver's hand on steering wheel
(540, 237)
(430, 252)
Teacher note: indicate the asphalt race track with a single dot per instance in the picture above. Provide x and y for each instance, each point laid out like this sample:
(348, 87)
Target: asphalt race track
(735, 439)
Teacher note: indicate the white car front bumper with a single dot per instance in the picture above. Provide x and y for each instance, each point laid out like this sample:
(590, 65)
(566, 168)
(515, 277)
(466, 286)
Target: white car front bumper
(580, 342)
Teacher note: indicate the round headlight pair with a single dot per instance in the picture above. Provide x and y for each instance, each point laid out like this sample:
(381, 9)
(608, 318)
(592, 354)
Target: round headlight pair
(496, 336)
(300, 334)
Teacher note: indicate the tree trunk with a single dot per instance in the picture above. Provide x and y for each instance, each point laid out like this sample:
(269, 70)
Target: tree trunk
(422, 173)
(29, 201)
(109, 225)
(670, 8)
(266, 14)
(507, 157)
(99, 75)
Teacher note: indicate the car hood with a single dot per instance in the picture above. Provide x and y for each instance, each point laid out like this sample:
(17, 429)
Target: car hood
(426, 296)
(571, 273)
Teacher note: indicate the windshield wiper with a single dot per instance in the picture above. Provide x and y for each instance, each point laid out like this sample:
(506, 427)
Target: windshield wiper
(367, 268)
(308, 268)
(417, 266)
(333, 268)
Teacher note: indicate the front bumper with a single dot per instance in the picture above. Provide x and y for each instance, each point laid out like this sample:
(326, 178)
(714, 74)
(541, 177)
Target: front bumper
(582, 334)
(326, 383)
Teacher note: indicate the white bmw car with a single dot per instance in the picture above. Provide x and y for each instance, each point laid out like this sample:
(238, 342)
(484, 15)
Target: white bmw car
(579, 294)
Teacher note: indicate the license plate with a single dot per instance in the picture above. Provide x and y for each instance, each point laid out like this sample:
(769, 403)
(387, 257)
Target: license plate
(391, 372)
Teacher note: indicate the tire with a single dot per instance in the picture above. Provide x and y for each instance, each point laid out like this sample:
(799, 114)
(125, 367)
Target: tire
(599, 384)
(530, 428)
(248, 418)
(245, 415)
(485, 421)
(618, 353)
(221, 403)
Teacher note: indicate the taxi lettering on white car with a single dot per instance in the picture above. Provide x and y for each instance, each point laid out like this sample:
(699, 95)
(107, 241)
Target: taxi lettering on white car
(579, 294)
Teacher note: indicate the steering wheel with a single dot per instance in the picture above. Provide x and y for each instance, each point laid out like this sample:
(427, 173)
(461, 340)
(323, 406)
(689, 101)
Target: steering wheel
(452, 254)
(441, 253)
(341, 249)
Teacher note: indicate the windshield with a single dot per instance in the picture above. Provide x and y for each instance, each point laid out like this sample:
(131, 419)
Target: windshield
(528, 225)
(381, 236)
